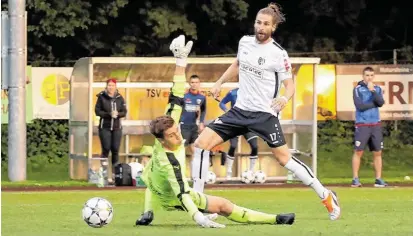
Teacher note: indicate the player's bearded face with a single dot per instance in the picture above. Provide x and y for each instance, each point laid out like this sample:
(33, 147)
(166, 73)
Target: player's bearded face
(172, 137)
(263, 27)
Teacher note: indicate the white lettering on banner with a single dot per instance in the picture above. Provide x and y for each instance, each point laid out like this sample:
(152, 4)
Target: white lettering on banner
(395, 70)
(396, 84)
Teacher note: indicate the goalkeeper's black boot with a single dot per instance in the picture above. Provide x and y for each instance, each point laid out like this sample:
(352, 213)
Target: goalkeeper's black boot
(145, 219)
(285, 219)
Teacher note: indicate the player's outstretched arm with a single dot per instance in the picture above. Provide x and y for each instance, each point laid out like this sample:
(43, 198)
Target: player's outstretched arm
(175, 101)
(231, 72)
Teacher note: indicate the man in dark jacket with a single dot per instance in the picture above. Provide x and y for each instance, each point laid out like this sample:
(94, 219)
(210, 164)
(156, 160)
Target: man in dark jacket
(367, 100)
(110, 107)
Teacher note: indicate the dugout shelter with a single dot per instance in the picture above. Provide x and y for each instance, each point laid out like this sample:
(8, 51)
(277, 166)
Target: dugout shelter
(144, 82)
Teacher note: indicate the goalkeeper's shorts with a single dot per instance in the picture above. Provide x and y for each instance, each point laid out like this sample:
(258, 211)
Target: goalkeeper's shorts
(200, 200)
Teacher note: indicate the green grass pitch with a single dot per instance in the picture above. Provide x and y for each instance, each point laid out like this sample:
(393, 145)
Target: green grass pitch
(365, 211)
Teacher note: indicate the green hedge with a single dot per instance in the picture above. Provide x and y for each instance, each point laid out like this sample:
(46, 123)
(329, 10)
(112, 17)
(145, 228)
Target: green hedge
(47, 148)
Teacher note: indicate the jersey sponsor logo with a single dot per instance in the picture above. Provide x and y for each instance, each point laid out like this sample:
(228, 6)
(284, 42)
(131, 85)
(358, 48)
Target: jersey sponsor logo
(198, 101)
(256, 72)
(191, 108)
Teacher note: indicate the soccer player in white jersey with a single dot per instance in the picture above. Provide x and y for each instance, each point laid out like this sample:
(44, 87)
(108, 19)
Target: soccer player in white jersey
(261, 65)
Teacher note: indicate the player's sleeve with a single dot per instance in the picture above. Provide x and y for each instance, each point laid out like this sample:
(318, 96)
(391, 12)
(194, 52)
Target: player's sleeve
(175, 101)
(176, 177)
(239, 47)
(224, 101)
(358, 102)
(284, 67)
(378, 97)
(203, 111)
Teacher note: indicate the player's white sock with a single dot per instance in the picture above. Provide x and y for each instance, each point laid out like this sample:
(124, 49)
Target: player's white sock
(304, 173)
(200, 166)
(230, 161)
(253, 160)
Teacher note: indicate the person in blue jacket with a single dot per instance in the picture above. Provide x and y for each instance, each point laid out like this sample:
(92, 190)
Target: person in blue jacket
(368, 131)
(231, 97)
(193, 115)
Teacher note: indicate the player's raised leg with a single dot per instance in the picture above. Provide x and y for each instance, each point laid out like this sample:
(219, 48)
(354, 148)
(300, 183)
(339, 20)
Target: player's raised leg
(239, 214)
(304, 173)
(268, 128)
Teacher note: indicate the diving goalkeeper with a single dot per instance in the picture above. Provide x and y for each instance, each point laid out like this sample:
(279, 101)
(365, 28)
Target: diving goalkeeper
(164, 175)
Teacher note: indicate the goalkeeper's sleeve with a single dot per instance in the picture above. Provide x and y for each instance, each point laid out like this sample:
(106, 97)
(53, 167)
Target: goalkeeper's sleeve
(175, 101)
(179, 185)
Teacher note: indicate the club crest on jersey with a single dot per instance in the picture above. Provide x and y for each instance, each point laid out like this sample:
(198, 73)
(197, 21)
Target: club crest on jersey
(261, 61)
(198, 101)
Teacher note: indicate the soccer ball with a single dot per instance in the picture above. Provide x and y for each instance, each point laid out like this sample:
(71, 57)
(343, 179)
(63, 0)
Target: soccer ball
(211, 178)
(97, 212)
(247, 177)
(259, 177)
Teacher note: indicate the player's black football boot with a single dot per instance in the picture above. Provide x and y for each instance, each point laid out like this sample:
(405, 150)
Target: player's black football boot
(145, 219)
(285, 219)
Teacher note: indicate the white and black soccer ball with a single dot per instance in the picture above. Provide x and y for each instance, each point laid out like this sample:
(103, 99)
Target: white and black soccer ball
(247, 177)
(97, 212)
(259, 177)
(211, 178)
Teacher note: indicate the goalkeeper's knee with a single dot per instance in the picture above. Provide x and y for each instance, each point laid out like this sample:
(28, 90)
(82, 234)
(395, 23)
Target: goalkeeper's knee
(145, 219)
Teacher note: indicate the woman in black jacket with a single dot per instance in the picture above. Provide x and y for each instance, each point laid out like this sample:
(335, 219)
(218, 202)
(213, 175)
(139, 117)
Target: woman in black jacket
(110, 107)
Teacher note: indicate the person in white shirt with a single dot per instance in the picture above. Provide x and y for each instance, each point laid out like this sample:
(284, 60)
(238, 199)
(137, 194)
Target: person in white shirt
(261, 65)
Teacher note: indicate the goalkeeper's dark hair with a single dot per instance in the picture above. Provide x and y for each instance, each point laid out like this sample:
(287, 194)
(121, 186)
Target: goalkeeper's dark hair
(273, 10)
(158, 126)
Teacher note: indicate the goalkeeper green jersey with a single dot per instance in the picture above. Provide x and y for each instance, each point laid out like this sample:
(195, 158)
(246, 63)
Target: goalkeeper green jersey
(164, 174)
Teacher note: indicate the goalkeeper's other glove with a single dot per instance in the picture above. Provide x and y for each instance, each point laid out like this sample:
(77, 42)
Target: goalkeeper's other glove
(180, 50)
(207, 221)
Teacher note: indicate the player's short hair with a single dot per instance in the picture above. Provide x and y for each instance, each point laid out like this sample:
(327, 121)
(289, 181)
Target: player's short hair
(158, 126)
(194, 77)
(274, 10)
(368, 68)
